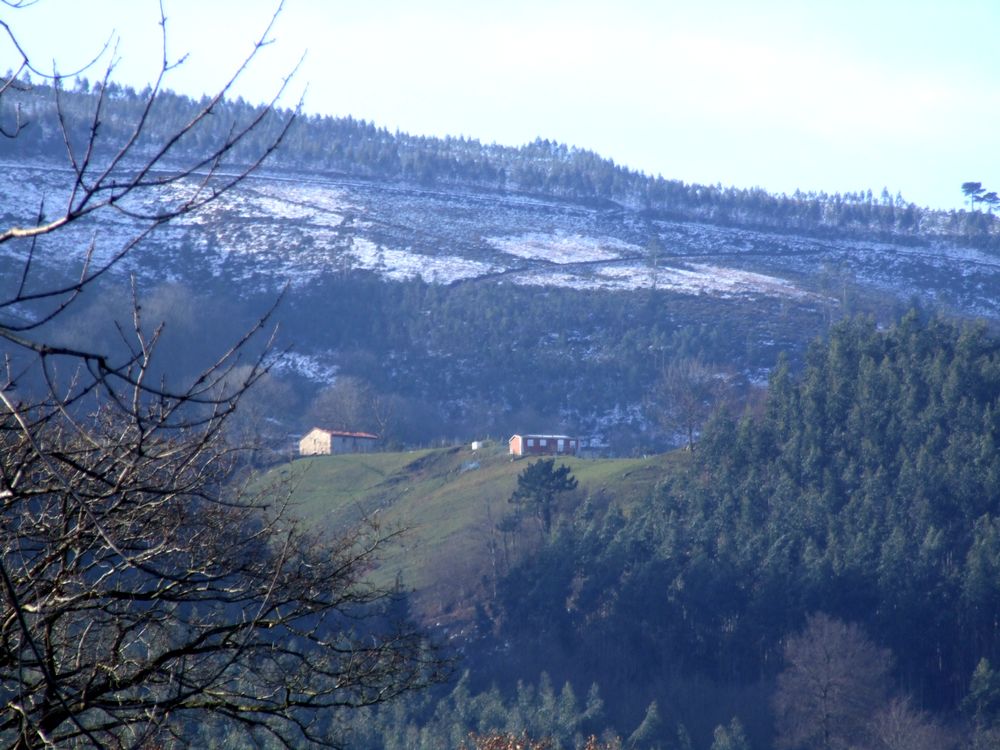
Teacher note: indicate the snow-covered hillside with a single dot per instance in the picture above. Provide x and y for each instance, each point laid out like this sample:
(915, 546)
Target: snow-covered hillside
(277, 229)
(283, 229)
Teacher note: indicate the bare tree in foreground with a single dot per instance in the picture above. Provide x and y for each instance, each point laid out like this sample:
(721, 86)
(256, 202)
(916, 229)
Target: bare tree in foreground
(144, 591)
(835, 679)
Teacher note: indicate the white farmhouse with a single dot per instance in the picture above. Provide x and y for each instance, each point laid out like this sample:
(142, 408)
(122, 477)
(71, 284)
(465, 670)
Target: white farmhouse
(321, 442)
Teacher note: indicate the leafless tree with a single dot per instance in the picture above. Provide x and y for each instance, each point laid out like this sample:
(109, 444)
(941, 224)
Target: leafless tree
(348, 404)
(354, 404)
(261, 437)
(684, 395)
(834, 680)
(899, 726)
(144, 591)
(488, 533)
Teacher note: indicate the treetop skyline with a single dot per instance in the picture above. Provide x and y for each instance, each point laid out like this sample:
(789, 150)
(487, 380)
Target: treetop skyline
(783, 96)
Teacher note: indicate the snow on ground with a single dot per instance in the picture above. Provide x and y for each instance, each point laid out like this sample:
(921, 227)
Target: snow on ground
(745, 282)
(308, 366)
(403, 264)
(323, 196)
(950, 255)
(321, 205)
(567, 280)
(563, 248)
(692, 278)
(274, 230)
(283, 209)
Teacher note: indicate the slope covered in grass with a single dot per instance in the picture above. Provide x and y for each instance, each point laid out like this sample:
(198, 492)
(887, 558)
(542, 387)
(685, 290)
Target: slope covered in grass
(450, 502)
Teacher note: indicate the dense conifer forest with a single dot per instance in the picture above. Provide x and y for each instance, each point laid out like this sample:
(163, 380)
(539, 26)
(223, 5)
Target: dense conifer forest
(867, 488)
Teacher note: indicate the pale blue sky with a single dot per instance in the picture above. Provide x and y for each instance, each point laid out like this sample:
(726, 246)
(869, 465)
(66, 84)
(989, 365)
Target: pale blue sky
(833, 96)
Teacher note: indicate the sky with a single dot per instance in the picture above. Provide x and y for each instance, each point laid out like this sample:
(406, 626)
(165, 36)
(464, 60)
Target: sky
(779, 94)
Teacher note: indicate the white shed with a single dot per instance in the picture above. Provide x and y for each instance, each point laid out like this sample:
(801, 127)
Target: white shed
(321, 442)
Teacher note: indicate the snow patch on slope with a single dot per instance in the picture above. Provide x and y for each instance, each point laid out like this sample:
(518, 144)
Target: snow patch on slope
(309, 366)
(403, 264)
(563, 248)
(691, 278)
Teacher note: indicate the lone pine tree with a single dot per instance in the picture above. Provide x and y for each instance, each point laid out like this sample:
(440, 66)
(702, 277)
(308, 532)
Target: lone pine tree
(539, 484)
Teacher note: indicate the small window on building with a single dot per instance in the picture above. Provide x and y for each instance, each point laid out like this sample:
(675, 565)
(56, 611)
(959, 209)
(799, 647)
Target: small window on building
(543, 442)
(531, 442)
(561, 444)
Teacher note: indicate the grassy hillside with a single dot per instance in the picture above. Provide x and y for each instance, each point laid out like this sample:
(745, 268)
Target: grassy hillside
(450, 500)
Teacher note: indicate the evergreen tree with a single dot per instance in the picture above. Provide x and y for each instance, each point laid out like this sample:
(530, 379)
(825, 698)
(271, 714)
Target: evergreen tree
(539, 484)
(731, 737)
(647, 731)
(982, 703)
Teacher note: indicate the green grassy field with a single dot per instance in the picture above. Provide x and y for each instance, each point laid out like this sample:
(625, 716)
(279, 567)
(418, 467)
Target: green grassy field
(449, 501)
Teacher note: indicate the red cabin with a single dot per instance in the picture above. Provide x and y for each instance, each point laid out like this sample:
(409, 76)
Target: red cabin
(543, 445)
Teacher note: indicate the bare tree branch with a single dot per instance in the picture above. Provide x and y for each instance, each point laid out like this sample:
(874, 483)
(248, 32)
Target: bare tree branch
(147, 587)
